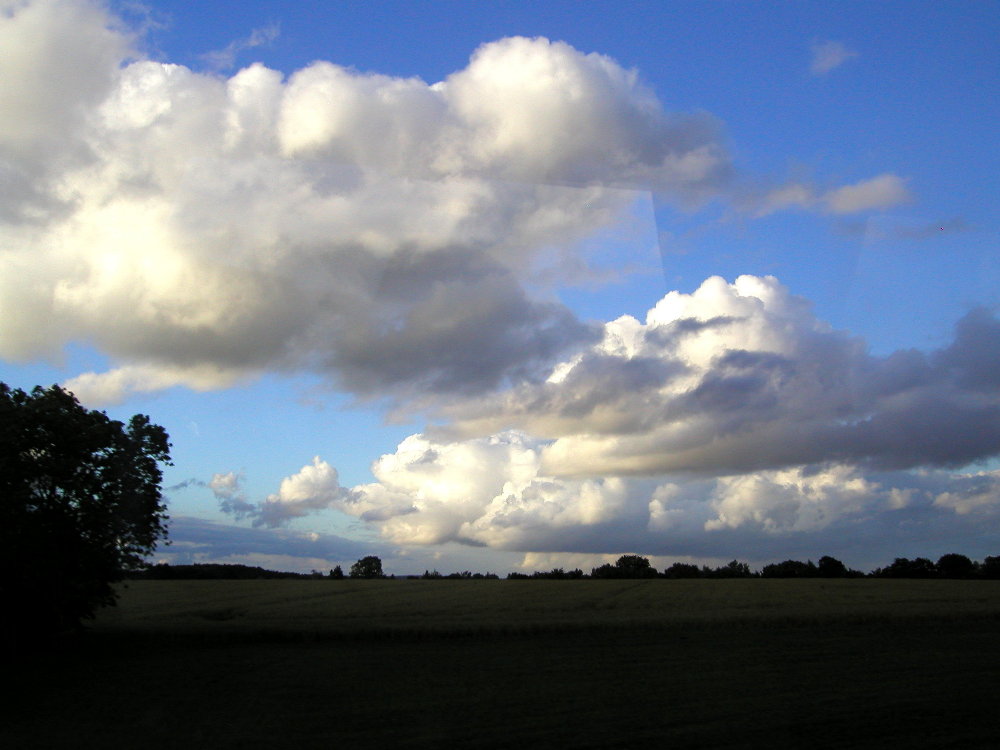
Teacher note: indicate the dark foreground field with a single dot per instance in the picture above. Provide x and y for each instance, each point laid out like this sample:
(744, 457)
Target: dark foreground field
(524, 664)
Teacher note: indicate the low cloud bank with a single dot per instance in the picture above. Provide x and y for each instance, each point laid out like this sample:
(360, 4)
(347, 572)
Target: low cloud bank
(731, 418)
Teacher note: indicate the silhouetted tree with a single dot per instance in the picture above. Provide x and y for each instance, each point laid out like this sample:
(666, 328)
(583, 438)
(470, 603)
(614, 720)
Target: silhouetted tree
(80, 505)
(626, 566)
(903, 567)
(635, 566)
(831, 567)
(337, 573)
(682, 570)
(990, 567)
(605, 571)
(955, 566)
(733, 569)
(367, 567)
(789, 569)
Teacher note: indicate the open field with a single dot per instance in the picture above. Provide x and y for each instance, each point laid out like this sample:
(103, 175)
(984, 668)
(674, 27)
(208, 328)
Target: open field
(487, 664)
(359, 607)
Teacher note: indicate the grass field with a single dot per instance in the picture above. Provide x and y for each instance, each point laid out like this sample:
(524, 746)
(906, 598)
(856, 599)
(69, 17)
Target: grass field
(489, 664)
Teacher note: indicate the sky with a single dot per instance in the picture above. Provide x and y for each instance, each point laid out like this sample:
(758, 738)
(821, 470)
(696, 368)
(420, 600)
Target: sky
(513, 286)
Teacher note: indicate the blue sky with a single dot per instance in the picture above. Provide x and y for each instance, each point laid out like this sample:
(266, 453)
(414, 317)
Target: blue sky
(367, 264)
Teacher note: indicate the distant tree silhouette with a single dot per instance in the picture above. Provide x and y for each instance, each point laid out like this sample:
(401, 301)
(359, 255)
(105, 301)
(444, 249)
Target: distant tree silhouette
(605, 571)
(733, 569)
(212, 572)
(831, 567)
(990, 567)
(955, 566)
(627, 566)
(903, 567)
(682, 570)
(789, 569)
(367, 567)
(80, 506)
(556, 574)
(952, 565)
(635, 566)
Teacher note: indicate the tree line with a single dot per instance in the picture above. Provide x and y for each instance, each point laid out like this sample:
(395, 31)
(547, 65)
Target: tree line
(950, 566)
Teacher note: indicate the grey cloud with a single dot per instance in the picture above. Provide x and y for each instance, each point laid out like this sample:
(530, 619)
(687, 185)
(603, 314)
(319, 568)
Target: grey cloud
(185, 484)
(668, 335)
(918, 430)
(228, 490)
(877, 193)
(973, 358)
(463, 327)
(197, 540)
(774, 387)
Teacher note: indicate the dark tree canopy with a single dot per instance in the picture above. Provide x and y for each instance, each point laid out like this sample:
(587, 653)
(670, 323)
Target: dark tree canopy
(954, 565)
(626, 566)
(990, 567)
(367, 567)
(80, 505)
(831, 567)
(903, 567)
(732, 569)
(789, 569)
(682, 570)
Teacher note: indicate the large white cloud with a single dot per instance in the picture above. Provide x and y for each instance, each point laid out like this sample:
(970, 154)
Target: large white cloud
(386, 232)
(199, 229)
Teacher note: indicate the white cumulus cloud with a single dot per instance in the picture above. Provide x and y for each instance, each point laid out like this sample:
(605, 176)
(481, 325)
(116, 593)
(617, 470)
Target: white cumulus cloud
(731, 417)
(382, 231)
(742, 377)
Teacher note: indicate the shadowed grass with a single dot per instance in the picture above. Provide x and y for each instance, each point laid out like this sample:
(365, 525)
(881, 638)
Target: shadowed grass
(380, 607)
(562, 664)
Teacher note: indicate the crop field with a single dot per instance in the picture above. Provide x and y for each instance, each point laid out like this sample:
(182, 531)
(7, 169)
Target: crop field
(495, 664)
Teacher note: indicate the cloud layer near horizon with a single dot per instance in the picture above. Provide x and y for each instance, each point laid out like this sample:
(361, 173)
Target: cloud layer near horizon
(731, 412)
